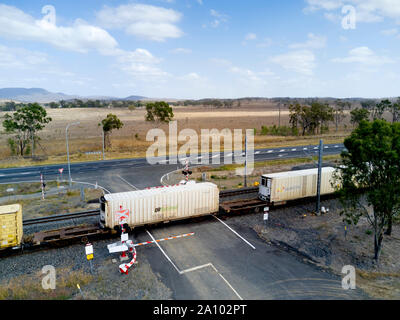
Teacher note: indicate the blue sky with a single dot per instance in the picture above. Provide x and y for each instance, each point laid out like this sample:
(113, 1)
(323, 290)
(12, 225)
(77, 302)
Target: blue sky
(202, 48)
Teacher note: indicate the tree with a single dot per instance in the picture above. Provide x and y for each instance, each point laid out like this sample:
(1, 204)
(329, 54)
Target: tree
(109, 124)
(310, 118)
(159, 112)
(379, 109)
(370, 177)
(338, 112)
(24, 125)
(395, 110)
(358, 115)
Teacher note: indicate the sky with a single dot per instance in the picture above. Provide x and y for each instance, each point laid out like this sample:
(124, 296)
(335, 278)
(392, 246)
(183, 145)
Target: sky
(193, 49)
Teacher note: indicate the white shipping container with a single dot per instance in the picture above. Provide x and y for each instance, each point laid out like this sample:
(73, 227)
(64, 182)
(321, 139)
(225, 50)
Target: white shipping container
(292, 185)
(162, 204)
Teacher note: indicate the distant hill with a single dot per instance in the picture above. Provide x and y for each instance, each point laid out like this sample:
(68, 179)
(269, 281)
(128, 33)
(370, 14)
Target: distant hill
(43, 96)
(135, 98)
(32, 95)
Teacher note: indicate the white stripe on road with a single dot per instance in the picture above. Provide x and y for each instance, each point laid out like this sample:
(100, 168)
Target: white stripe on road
(128, 183)
(294, 149)
(163, 252)
(254, 248)
(283, 150)
(270, 151)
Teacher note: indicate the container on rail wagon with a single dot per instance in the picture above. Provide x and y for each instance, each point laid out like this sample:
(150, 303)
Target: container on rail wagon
(160, 204)
(11, 229)
(292, 185)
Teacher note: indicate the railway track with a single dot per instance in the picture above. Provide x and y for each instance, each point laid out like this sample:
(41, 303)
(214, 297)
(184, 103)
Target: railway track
(238, 192)
(61, 217)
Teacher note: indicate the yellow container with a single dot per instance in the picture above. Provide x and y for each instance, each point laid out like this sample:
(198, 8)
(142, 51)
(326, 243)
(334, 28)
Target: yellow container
(11, 229)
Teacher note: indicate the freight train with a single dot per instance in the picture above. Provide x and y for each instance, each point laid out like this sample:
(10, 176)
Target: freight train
(179, 202)
(184, 201)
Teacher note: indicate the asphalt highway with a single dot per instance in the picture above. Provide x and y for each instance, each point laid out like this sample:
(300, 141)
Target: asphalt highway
(105, 172)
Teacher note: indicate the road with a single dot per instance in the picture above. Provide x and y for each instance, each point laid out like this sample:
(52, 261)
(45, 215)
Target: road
(107, 173)
(224, 260)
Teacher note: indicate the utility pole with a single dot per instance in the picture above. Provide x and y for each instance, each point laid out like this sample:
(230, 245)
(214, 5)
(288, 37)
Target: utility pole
(321, 147)
(104, 157)
(245, 162)
(66, 136)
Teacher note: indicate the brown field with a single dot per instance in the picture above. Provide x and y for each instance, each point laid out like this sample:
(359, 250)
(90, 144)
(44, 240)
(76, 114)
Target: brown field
(130, 141)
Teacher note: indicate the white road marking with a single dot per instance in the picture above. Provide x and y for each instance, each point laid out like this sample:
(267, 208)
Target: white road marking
(294, 149)
(216, 156)
(194, 268)
(229, 155)
(258, 152)
(168, 258)
(283, 150)
(91, 184)
(254, 248)
(336, 146)
(270, 151)
(316, 148)
(226, 281)
(305, 149)
(128, 183)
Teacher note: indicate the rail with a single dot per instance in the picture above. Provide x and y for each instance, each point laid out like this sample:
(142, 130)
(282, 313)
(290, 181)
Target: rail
(231, 193)
(61, 217)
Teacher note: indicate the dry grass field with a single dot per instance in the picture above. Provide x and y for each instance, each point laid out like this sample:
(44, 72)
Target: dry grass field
(130, 141)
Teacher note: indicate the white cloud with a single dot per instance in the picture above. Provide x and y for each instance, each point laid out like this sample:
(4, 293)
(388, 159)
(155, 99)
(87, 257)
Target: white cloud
(218, 18)
(366, 10)
(246, 75)
(301, 61)
(141, 64)
(181, 51)
(80, 37)
(390, 32)
(250, 37)
(18, 58)
(141, 20)
(313, 42)
(364, 56)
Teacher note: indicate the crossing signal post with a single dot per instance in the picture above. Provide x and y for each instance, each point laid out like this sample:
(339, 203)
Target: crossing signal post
(186, 172)
(43, 185)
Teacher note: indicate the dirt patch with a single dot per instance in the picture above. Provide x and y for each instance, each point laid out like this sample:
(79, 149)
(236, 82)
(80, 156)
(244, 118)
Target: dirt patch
(323, 241)
(64, 201)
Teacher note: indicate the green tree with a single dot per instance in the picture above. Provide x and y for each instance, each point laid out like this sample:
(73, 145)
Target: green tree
(379, 109)
(370, 177)
(338, 112)
(395, 110)
(24, 125)
(109, 124)
(358, 115)
(159, 112)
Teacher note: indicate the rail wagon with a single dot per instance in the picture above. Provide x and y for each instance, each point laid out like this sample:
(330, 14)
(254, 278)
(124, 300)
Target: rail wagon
(11, 230)
(280, 187)
(160, 204)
